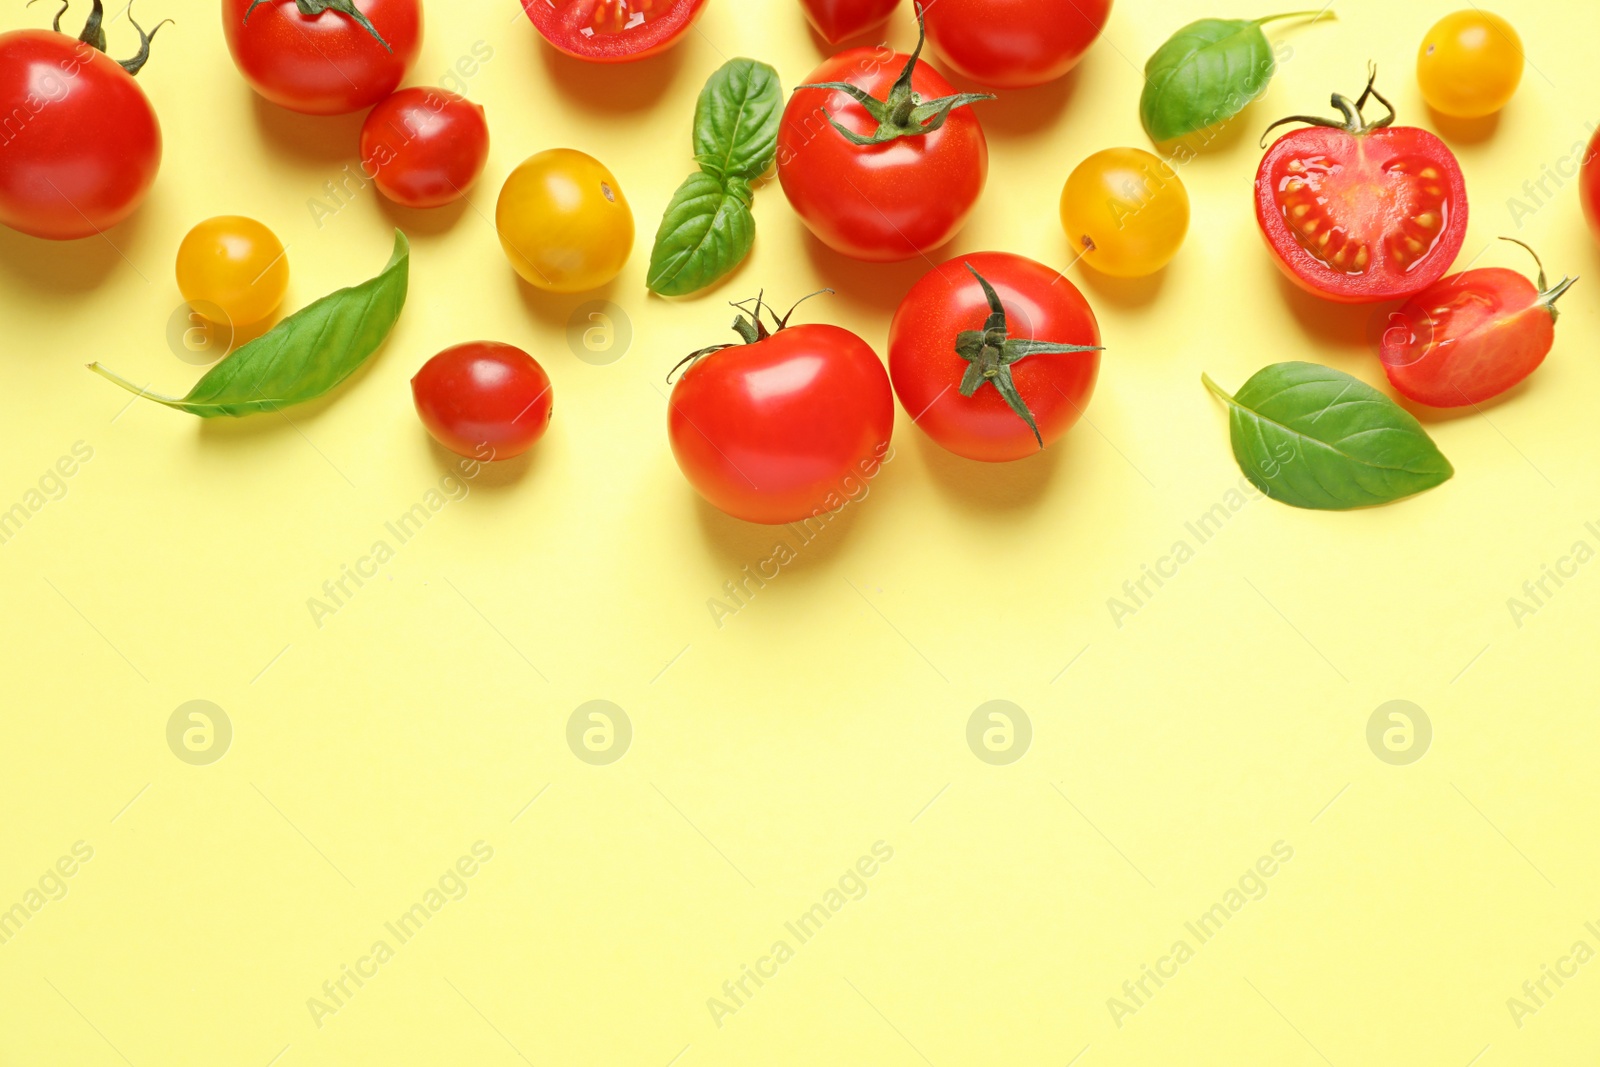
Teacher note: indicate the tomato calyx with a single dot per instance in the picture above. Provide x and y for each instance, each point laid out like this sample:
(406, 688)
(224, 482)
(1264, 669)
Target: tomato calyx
(1354, 122)
(748, 325)
(94, 34)
(990, 352)
(317, 7)
(1548, 294)
(901, 113)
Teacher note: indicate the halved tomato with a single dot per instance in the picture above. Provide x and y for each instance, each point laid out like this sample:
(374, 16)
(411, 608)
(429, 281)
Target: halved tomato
(1360, 212)
(613, 31)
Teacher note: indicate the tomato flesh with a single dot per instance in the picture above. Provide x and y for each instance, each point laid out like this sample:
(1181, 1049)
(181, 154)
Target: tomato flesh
(1359, 218)
(613, 31)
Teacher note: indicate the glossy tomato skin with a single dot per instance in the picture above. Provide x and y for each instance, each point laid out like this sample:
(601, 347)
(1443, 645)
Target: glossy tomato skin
(1467, 338)
(1589, 185)
(1014, 44)
(484, 399)
(1385, 211)
(840, 20)
(609, 31)
(325, 64)
(783, 429)
(80, 145)
(882, 202)
(1040, 305)
(425, 147)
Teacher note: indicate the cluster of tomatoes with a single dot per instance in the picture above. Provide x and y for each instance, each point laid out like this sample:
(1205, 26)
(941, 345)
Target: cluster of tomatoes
(991, 354)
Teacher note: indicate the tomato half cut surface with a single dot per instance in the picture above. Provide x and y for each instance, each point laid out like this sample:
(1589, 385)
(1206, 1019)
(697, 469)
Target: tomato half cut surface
(613, 31)
(1359, 214)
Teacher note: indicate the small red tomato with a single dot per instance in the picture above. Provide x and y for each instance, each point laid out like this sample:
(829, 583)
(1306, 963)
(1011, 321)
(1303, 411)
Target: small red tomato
(425, 147)
(788, 425)
(1589, 185)
(613, 31)
(483, 397)
(992, 318)
(1359, 212)
(889, 169)
(323, 58)
(1012, 44)
(1471, 336)
(839, 20)
(79, 144)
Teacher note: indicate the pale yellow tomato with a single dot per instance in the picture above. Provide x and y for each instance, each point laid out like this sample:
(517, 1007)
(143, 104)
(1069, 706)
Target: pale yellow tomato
(1469, 64)
(564, 222)
(1125, 212)
(232, 270)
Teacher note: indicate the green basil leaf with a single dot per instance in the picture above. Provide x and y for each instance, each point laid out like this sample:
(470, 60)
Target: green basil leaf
(707, 231)
(1315, 437)
(736, 120)
(1205, 74)
(302, 357)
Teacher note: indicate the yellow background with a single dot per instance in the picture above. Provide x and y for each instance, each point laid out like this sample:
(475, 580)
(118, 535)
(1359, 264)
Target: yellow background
(769, 754)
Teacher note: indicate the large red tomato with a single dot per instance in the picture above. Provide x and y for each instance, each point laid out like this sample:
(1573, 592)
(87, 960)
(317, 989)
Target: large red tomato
(880, 156)
(1360, 212)
(1012, 44)
(613, 31)
(323, 57)
(790, 424)
(992, 318)
(80, 144)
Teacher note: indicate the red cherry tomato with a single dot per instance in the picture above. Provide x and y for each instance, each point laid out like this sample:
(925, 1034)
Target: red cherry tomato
(788, 425)
(613, 31)
(897, 198)
(425, 147)
(1012, 44)
(839, 20)
(1471, 336)
(327, 63)
(1589, 185)
(1358, 212)
(1038, 357)
(80, 144)
(483, 399)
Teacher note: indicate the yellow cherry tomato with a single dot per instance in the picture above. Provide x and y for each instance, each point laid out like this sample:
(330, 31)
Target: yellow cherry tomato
(1469, 64)
(564, 222)
(232, 270)
(1125, 212)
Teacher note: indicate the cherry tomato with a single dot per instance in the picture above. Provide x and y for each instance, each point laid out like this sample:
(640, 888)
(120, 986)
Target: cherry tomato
(1589, 185)
(1125, 212)
(328, 63)
(1039, 352)
(80, 144)
(484, 397)
(613, 31)
(425, 147)
(839, 20)
(788, 425)
(232, 270)
(1012, 44)
(1469, 64)
(908, 190)
(564, 222)
(1359, 212)
(1471, 336)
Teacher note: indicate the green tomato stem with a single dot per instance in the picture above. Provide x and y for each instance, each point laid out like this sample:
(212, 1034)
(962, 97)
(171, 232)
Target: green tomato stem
(1216, 390)
(171, 402)
(1294, 15)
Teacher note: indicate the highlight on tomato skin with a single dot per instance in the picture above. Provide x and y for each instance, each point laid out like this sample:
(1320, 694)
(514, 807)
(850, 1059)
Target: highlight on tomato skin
(613, 31)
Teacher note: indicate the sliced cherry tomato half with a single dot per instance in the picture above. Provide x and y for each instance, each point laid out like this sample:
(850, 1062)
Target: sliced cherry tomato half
(613, 31)
(1360, 212)
(1471, 336)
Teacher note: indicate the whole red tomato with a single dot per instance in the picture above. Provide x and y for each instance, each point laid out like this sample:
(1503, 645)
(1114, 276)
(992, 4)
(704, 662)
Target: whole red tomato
(484, 399)
(992, 318)
(1589, 185)
(1012, 44)
(1359, 212)
(80, 144)
(881, 165)
(839, 20)
(1471, 336)
(613, 31)
(323, 57)
(425, 147)
(790, 424)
